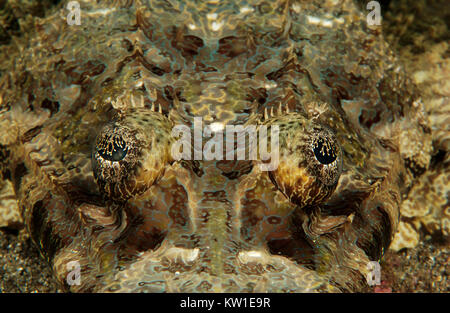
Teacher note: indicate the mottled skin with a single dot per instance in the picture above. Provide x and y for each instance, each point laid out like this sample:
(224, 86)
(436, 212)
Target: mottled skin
(138, 220)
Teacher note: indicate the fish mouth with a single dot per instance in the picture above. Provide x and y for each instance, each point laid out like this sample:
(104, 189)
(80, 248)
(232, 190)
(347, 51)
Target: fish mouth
(172, 269)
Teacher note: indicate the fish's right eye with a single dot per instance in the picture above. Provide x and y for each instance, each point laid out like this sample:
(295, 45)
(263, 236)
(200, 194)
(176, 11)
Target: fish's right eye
(130, 155)
(310, 161)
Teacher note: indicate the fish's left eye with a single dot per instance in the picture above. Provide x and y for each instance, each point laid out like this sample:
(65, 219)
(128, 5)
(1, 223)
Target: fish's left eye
(112, 148)
(324, 150)
(310, 160)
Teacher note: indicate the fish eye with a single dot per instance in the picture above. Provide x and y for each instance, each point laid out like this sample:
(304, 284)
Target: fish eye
(310, 161)
(326, 156)
(324, 150)
(112, 148)
(130, 153)
(116, 158)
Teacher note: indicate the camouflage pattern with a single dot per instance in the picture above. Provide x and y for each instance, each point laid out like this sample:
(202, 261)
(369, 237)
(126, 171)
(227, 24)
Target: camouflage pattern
(90, 109)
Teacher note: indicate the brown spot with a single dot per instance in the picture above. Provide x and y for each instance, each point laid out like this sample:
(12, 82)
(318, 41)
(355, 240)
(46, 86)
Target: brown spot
(177, 214)
(201, 67)
(204, 286)
(228, 268)
(188, 45)
(368, 118)
(19, 172)
(232, 46)
(30, 134)
(127, 45)
(52, 106)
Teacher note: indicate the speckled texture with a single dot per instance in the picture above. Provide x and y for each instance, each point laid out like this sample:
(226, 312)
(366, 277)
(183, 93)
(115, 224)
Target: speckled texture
(9, 213)
(22, 269)
(420, 35)
(322, 224)
(424, 268)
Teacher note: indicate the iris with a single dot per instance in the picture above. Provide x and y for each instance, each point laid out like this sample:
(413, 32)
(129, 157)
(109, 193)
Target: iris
(112, 148)
(324, 151)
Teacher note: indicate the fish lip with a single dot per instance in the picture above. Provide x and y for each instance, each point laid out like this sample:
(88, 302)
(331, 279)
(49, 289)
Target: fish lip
(145, 274)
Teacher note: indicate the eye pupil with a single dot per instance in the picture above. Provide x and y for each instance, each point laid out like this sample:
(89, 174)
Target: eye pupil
(112, 148)
(324, 151)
